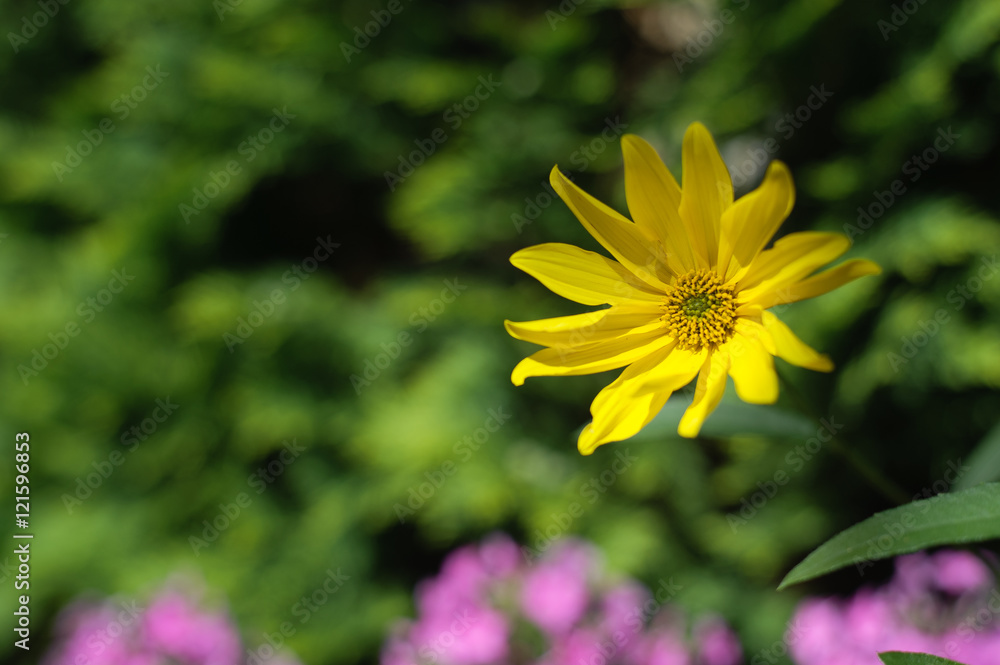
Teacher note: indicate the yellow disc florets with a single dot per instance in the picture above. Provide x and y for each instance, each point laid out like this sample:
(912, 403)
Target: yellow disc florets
(700, 310)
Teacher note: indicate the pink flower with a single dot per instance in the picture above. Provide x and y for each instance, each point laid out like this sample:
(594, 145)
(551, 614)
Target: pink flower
(914, 573)
(819, 626)
(174, 626)
(958, 572)
(171, 630)
(500, 555)
(90, 634)
(466, 575)
(490, 606)
(399, 652)
(469, 636)
(625, 609)
(908, 614)
(868, 619)
(461, 581)
(666, 649)
(582, 646)
(555, 597)
(717, 644)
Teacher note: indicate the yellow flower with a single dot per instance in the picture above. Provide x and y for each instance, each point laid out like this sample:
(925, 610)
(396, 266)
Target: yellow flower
(688, 294)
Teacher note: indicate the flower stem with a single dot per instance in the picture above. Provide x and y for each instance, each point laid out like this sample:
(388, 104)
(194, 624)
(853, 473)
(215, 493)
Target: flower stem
(878, 480)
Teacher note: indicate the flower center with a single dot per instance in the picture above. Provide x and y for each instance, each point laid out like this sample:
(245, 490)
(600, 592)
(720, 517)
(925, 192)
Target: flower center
(700, 310)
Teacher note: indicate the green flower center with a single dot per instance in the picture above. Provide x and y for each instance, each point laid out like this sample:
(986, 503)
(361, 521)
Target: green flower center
(697, 305)
(700, 310)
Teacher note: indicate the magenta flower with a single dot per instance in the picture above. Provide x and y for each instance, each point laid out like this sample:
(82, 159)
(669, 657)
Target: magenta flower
(717, 644)
(960, 572)
(555, 597)
(934, 604)
(666, 649)
(172, 630)
(464, 635)
(173, 626)
(92, 635)
(490, 606)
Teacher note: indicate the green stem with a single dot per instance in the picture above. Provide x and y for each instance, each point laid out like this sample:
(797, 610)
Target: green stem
(878, 480)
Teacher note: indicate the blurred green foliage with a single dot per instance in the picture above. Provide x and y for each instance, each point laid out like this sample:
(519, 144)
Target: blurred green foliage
(417, 289)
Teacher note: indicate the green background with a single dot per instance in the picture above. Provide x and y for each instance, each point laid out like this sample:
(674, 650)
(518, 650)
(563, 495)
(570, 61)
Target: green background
(565, 73)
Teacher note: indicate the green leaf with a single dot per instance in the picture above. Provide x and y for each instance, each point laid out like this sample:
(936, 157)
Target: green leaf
(904, 658)
(971, 515)
(984, 463)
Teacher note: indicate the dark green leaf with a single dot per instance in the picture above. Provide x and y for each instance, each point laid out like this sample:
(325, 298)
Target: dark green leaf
(984, 463)
(962, 517)
(904, 658)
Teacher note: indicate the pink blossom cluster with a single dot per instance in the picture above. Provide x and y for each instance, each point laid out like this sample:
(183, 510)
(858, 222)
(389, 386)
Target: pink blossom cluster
(489, 605)
(943, 604)
(171, 630)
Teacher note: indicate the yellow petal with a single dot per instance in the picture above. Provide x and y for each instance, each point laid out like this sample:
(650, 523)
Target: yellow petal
(707, 193)
(751, 326)
(589, 359)
(631, 401)
(618, 413)
(793, 350)
(674, 372)
(752, 369)
(624, 418)
(817, 285)
(753, 219)
(581, 329)
(635, 250)
(654, 199)
(708, 392)
(793, 257)
(582, 276)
